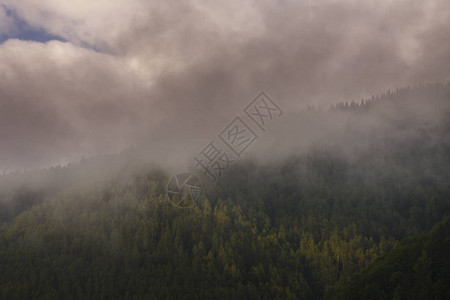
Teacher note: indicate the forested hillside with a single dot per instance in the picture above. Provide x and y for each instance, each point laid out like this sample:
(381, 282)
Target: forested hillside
(418, 268)
(314, 225)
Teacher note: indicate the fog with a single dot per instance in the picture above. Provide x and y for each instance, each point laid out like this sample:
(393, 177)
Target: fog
(168, 77)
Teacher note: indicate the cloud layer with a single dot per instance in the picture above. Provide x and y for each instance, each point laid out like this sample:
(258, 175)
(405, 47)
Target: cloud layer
(140, 70)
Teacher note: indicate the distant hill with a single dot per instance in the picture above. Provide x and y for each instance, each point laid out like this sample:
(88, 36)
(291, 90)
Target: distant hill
(346, 217)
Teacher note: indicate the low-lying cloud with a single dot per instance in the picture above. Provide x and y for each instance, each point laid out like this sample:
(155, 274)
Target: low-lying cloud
(134, 71)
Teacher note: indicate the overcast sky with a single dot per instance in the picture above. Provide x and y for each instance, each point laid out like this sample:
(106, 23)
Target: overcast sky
(80, 77)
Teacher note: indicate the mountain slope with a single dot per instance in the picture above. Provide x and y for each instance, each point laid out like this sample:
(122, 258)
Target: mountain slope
(417, 268)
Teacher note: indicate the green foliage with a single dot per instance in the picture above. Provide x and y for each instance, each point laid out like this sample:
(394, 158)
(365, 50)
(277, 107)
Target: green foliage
(320, 225)
(418, 268)
(295, 230)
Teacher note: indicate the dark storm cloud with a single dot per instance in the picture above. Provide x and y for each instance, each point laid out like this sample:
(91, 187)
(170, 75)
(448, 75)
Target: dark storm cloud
(181, 70)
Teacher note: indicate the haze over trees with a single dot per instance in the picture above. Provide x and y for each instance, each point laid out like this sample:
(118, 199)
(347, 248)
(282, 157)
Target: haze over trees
(358, 208)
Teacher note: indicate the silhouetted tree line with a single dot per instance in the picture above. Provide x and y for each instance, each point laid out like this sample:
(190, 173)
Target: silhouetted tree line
(426, 92)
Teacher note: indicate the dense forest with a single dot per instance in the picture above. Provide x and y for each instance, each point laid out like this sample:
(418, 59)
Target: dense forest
(418, 268)
(321, 224)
